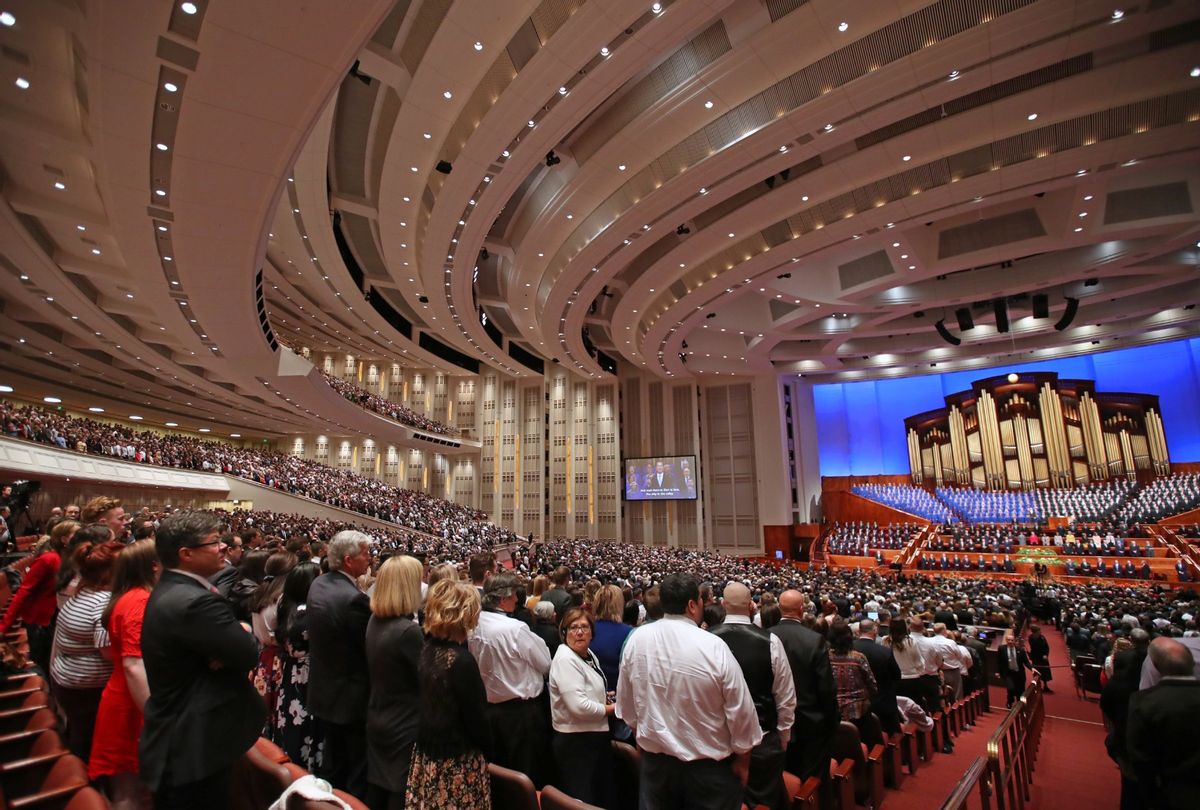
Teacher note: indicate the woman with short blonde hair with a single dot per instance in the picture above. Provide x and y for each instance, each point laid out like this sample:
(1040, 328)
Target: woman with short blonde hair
(449, 761)
(394, 644)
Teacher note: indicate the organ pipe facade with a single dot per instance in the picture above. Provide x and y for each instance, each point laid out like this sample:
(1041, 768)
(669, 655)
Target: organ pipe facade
(1039, 431)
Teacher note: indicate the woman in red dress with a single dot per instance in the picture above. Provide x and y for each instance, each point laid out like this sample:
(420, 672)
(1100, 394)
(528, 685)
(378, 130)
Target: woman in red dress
(119, 721)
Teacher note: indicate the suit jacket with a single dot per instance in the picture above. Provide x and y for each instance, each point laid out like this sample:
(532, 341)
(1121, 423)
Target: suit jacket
(1014, 678)
(816, 695)
(199, 719)
(1162, 742)
(338, 686)
(886, 672)
(393, 650)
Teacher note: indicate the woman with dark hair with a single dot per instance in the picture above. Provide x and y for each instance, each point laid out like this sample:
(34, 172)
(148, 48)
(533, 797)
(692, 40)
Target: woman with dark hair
(81, 666)
(580, 708)
(297, 732)
(852, 674)
(68, 573)
(910, 660)
(770, 615)
(263, 605)
(119, 720)
(34, 604)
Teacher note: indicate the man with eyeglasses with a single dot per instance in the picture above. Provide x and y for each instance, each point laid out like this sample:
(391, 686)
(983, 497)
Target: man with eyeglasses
(203, 712)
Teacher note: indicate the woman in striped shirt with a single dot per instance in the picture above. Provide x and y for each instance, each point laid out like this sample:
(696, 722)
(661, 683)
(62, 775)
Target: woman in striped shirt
(81, 663)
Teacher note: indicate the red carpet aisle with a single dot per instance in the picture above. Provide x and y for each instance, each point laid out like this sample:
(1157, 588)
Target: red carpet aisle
(1073, 769)
(935, 780)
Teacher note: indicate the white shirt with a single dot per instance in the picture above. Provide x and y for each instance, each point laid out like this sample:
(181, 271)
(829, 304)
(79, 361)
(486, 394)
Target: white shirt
(577, 692)
(948, 650)
(783, 686)
(910, 660)
(683, 693)
(512, 660)
(932, 652)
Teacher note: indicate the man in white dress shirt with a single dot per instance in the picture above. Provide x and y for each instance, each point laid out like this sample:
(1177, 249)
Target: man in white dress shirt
(513, 663)
(768, 675)
(682, 692)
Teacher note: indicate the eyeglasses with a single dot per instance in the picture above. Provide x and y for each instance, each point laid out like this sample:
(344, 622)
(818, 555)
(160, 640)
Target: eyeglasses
(579, 628)
(202, 545)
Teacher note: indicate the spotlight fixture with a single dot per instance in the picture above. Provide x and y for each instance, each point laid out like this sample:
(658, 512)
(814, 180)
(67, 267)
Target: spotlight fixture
(1068, 314)
(940, 326)
(1000, 307)
(552, 159)
(965, 321)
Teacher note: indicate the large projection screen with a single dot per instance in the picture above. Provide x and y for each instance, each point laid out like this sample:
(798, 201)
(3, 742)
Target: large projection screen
(660, 478)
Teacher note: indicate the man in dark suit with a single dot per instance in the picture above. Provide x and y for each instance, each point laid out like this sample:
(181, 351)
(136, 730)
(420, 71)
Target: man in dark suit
(817, 714)
(338, 685)
(203, 712)
(1014, 662)
(886, 672)
(1162, 737)
(661, 478)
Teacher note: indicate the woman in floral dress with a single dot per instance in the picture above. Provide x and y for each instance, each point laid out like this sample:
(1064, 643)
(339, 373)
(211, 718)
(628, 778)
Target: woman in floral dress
(297, 732)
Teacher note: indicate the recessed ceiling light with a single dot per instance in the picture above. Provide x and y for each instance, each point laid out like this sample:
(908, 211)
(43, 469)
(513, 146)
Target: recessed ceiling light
(829, 127)
(656, 8)
(895, 244)
(162, 147)
(6, 389)
(804, 198)
(171, 424)
(188, 8)
(7, 19)
(413, 168)
(1031, 117)
(604, 51)
(447, 95)
(22, 83)
(912, 267)
(170, 87)
(1077, 230)
(95, 409)
(903, 255)
(703, 190)
(1195, 74)
(205, 430)
(1088, 197)
(60, 185)
(427, 135)
(479, 46)
(570, 216)
(953, 75)
(235, 435)
(1083, 213)
(51, 400)
(95, 251)
(708, 105)
(843, 26)
(621, 167)
(135, 417)
(1117, 14)
(160, 192)
(906, 158)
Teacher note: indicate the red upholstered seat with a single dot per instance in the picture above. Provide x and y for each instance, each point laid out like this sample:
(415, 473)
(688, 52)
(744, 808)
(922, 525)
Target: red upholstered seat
(511, 790)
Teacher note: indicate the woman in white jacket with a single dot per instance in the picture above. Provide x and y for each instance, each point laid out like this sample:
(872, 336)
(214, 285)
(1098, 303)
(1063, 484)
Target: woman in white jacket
(580, 705)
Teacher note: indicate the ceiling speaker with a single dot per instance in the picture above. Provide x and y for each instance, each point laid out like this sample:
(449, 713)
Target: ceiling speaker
(940, 326)
(1068, 314)
(1041, 305)
(1000, 307)
(965, 321)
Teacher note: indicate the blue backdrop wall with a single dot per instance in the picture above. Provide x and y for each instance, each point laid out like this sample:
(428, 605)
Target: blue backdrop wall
(860, 425)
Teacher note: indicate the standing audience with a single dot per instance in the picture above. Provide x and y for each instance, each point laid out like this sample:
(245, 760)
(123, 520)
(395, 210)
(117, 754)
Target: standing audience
(297, 732)
(34, 602)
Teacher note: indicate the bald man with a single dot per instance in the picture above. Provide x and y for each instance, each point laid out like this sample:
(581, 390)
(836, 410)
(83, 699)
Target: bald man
(765, 667)
(1162, 738)
(816, 697)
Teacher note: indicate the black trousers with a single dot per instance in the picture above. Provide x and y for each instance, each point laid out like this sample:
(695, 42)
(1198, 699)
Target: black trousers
(672, 784)
(520, 730)
(585, 766)
(345, 763)
(80, 707)
(765, 785)
(205, 794)
(40, 641)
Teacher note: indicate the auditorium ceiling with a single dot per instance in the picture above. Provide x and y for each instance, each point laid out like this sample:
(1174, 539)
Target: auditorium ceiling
(697, 189)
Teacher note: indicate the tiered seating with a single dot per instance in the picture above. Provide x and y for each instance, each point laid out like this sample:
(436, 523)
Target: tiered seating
(1091, 503)
(914, 500)
(1165, 496)
(862, 539)
(977, 506)
(392, 410)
